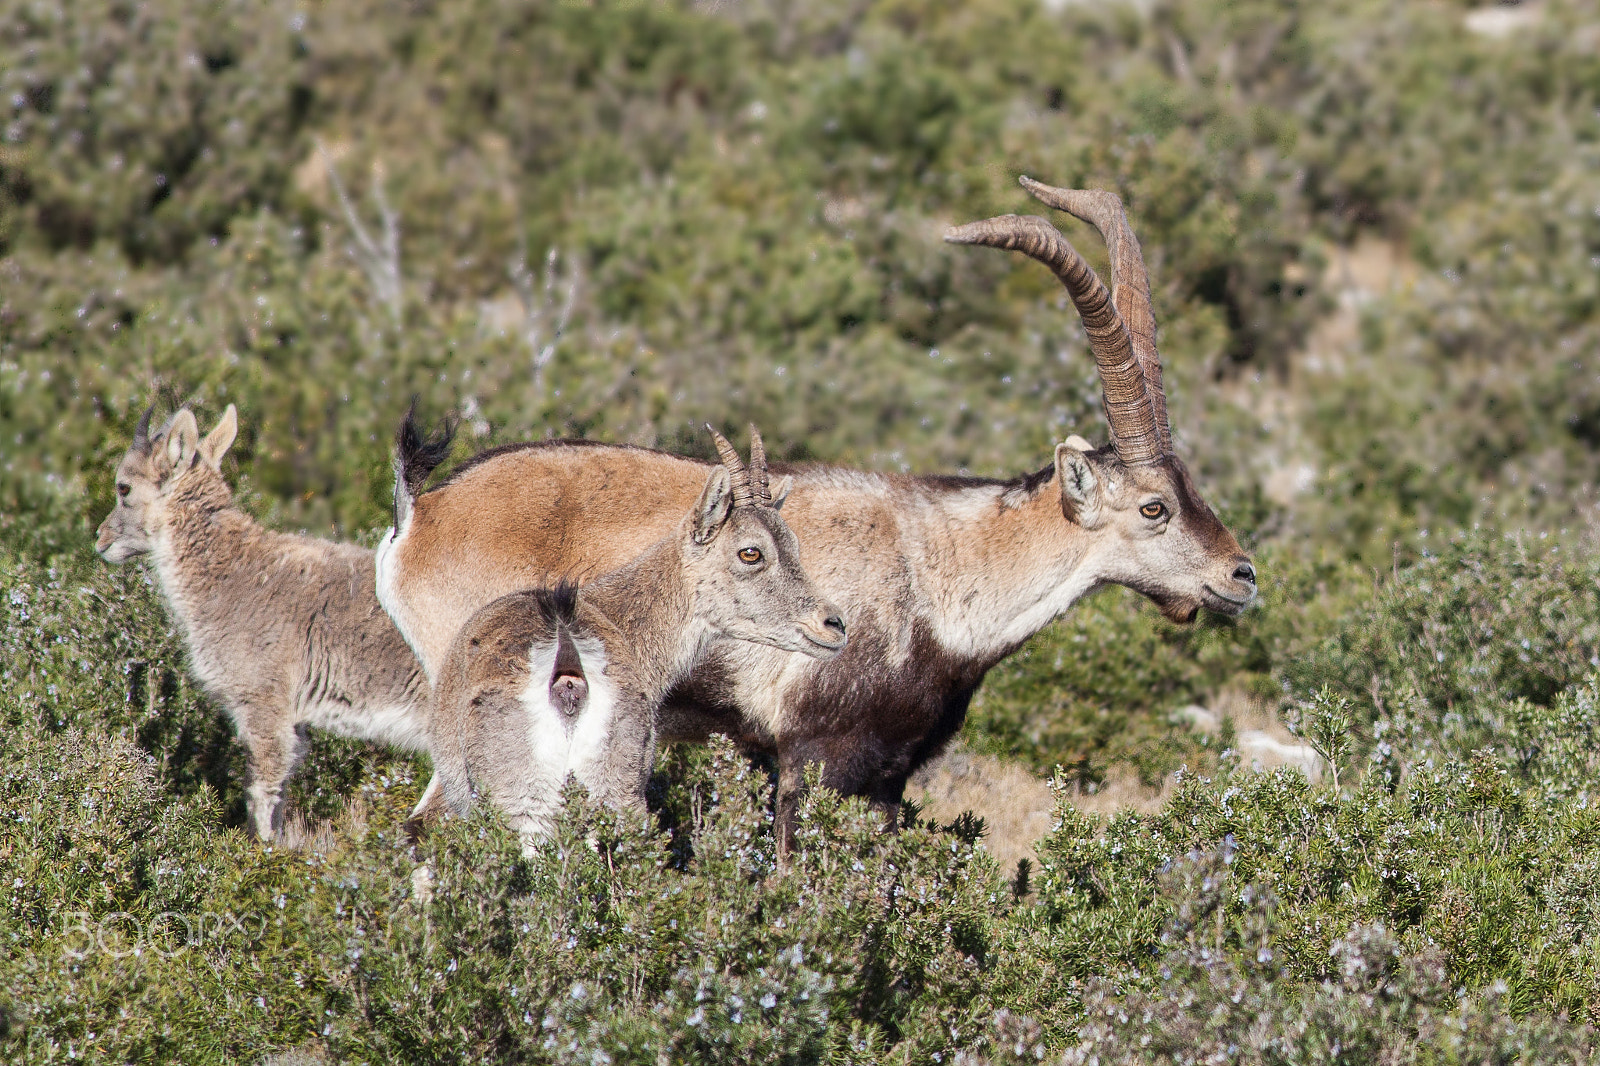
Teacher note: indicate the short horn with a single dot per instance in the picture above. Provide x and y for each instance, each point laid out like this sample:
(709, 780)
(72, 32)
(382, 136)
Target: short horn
(141, 432)
(738, 474)
(1127, 402)
(1130, 281)
(758, 467)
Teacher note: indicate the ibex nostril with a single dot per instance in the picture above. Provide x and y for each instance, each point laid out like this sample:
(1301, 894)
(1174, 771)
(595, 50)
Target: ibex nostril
(1246, 573)
(836, 624)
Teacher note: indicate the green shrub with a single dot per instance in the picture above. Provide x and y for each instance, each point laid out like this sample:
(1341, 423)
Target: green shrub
(605, 941)
(1453, 645)
(1458, 868)
(1220, 997)
(1464, 882)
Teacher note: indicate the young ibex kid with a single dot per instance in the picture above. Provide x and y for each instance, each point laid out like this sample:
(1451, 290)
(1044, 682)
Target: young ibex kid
(285, 631)
(548, 682)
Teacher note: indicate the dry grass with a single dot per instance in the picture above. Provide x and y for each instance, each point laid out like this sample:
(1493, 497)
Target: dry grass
(1259, 736)
(1015, 803)
(1018, 806)
(299, 833)
(306, 1055)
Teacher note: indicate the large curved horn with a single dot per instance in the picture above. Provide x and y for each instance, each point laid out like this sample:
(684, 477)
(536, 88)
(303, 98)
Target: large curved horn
(1127, 401)
(758, 467)
(141, 432)
(739, 474)
(1130, 282)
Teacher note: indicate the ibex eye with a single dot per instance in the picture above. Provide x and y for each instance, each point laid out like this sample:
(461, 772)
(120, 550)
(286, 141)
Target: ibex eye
(750, 555)
(1153, 510)
(123, 489)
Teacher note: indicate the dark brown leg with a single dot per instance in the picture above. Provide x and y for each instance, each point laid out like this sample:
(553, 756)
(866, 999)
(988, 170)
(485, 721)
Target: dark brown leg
(786, 813)
(844, 771)
(886, 797)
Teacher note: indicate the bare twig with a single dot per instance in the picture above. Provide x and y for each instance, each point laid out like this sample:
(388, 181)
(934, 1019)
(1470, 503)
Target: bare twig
(378, 258)
(1180, 58)
(538, 306)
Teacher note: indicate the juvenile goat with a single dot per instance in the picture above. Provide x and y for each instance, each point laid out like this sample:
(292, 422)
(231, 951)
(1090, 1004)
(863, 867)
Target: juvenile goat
(548, 682)
(284, 630)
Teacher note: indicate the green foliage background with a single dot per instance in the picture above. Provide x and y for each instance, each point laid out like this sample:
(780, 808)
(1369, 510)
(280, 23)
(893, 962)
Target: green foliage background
(745, 203)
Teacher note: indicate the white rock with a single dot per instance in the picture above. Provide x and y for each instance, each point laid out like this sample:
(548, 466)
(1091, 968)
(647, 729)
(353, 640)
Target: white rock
(1261, 750)
(422, 885)
(1503, 20)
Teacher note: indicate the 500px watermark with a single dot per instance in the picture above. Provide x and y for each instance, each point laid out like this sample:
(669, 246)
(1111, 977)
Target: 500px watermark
(168, 934)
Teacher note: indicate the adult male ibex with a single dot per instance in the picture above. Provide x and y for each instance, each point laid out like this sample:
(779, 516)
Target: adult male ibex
(939, 577)
(551, 681)
(285, 631)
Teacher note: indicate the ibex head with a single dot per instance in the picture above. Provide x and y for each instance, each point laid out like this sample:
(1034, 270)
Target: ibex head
(1164, 541)
(1168, 544)
(744, 562)
(153, 468)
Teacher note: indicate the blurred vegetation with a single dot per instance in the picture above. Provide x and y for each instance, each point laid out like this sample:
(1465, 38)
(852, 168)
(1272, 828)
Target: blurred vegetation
(1374, 240)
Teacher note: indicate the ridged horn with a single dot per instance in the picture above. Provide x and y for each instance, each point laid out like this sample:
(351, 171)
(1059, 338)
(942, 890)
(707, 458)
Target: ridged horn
(758, 467)
(1127, 401)
(1130, 281)
(141, 432)
(739, 474)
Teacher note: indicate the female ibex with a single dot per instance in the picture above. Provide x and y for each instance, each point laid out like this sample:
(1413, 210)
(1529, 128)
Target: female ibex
(285, 631)
(552, 681)
(939, 577)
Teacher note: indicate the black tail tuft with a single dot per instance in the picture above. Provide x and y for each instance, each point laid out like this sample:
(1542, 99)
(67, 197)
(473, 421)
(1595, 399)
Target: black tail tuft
(569, 687)
(418, 456)
(558, 603)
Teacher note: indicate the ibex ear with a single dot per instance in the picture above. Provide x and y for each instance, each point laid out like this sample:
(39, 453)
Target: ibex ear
(183, 438)
(711, 511)
(220, 439)
(781, 493)
(1080, 489)
(1079, 443)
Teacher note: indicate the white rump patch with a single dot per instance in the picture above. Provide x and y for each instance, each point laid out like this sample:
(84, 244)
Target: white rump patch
(558, 745)
(388, 586)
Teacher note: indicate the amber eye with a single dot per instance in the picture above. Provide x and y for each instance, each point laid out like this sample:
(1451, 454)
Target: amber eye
(750, 555)
(123, 488)
(1153, 510)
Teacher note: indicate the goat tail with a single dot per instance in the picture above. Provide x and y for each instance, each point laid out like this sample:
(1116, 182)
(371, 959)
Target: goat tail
(569, 683)
(416, 456)
(558, 603)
